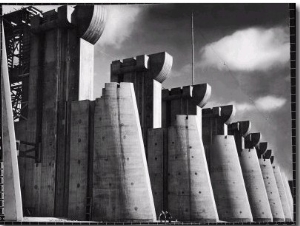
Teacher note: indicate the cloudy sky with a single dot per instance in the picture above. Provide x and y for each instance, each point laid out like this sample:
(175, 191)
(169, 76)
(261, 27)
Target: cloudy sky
(241, 50)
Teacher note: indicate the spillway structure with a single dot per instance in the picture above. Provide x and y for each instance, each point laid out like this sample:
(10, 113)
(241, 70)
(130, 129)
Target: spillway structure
(137, 150)
(225, 170)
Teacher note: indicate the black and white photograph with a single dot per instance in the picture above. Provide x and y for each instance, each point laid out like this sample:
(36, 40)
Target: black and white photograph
(148, 113)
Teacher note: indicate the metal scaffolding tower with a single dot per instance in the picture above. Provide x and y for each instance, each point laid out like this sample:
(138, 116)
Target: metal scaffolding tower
(17, 38)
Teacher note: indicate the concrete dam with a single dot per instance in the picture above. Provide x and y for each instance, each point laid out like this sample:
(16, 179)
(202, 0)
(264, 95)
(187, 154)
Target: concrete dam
(135, 151)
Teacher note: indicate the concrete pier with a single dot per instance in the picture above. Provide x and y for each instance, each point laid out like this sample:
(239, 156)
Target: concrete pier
(271, 187)
(253, 178)
(121, 183)
(190, 195)
(225, 170)
(186, 100)
(146, 72)
(283, 194)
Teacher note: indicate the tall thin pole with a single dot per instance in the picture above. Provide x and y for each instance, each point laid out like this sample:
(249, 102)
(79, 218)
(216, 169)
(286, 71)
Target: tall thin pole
(192, 49)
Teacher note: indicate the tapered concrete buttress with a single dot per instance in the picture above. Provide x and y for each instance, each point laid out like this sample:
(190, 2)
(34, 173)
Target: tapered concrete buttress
(12, 191)
(147, 74)
(252, 175)
(227, 181)
(272, 190)
(255, 186)
(288, 192)
(121, 183)
(190, 193)
(283, 194)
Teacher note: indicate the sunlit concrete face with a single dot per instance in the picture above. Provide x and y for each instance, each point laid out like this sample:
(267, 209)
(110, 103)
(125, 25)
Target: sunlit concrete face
(120, 171)
(190, 195)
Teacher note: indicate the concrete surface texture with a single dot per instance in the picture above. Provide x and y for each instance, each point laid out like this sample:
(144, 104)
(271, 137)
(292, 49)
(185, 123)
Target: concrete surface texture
(282, 193)
(79, 155)
(252, 175)
(272, 190)
(12, 191)
(183, 100)
(157, 141)
(146, 73)
(288, 192)
(121, 183)
(190, 193)
(227, 181)
(61, 70)
(255, 186)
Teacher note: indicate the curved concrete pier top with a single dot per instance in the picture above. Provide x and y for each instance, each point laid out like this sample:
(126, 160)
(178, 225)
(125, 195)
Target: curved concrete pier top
(198, 94)
(90, 20)
(201, 94)
(158, 64)
(267, 154)
(224, 114)
(261, 148)
(252, 139)
(241, 127)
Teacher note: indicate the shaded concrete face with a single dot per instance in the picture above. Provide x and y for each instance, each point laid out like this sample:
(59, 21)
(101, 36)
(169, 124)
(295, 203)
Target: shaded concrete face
(12, 191)
(288, 192)
(283, 194)
(272, 190)
(255, 186)
(190, 195)
(227, 181)
(61, 70)
(239, 130)
(157, 139)
(121, 184)
(79, 156)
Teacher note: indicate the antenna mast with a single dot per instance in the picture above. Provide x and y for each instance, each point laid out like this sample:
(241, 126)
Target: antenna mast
(192, 48)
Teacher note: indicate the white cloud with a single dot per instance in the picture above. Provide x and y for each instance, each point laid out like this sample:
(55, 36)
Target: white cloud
(120, 23)
(241, 107)
(266, 104)
(248, 50)
(270, 103)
